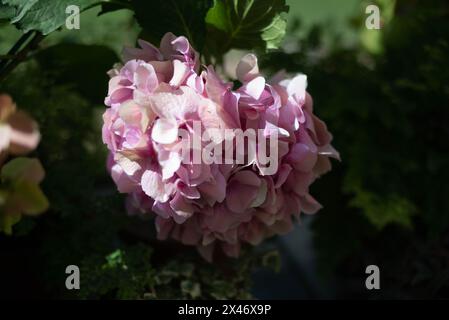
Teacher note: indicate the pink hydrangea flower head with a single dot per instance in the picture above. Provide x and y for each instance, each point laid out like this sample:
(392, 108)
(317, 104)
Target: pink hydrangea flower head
(160, 105)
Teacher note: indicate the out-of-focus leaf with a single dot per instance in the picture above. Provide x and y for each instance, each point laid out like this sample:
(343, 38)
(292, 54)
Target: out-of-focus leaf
(382, 211)
(23, 194)
(272, 259)
(83, 66)
(183, 18)
(32, 199)
(192, 289)
(246, 24)
(371, 40)
(23, 169)
(3, 195)
(220, 289)
(7, 221)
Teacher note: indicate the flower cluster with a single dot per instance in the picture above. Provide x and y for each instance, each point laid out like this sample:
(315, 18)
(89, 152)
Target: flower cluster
(19, 133)
(154, 101)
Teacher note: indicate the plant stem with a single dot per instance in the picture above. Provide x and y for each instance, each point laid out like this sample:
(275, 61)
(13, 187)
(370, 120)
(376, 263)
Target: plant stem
(20, 56)
(16, 47)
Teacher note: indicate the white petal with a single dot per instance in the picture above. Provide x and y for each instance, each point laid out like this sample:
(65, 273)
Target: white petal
(165, 131)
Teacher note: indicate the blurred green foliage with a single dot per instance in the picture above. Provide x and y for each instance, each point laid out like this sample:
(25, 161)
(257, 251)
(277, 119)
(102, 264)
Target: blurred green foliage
(128, 274)
(20, 191)
(388, 112)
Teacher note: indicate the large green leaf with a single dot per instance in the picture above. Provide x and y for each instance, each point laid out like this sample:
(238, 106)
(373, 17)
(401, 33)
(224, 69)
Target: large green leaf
(183, 18)
(246, 24)
(40, 15)
(82, 66)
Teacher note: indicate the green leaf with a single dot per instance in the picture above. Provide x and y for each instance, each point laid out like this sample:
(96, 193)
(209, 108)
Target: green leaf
(7, 221)
(23, 169)
(39, 15)
(114, 6)
(272, 259)
(6, 12)
(114, 259)
(221, 290)
(182, 18)
(83, 66)
(21, 7)
(246, 24)
(33, 200)
(382, 211)
(3, 197)
(192, 289)
(24, 195)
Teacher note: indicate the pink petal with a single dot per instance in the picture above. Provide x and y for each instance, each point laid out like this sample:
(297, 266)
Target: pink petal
(247, 69)
(145, 77)
(297, 87)
(255, 87)
(130, 167)
(147, 53)
(163, 227)
(187, 191)
(153, 186)
(214, 191)
(180, 206)
(180, 73)
(24, 134)
(124, 183)
(309, 205)
(282, 176)
(329, 151)
(302, 157)
(242, 191)
(165, 131)
(170, 163)
(5, 132)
